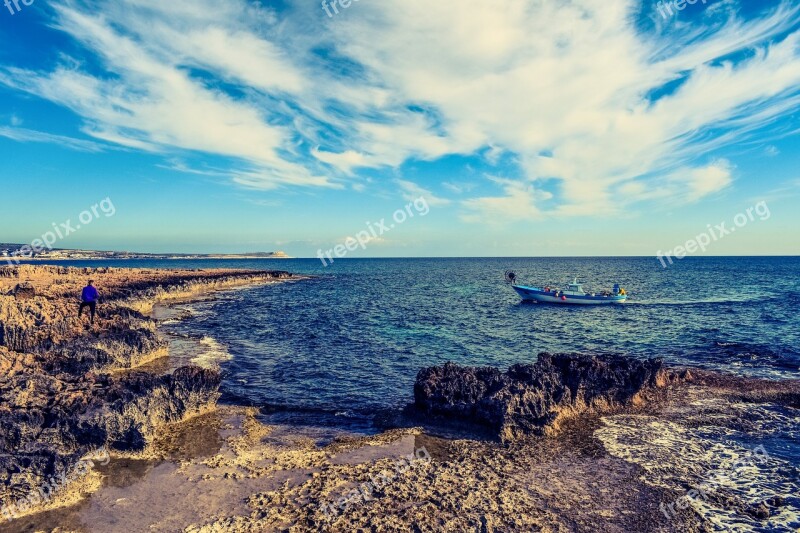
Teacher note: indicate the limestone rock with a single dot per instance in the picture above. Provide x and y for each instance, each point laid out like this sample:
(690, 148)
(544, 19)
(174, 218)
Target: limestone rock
(537, 398)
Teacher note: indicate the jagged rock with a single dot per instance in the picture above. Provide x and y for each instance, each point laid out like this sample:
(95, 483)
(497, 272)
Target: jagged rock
(59, 399)
(760, 511)
(776, 501)
(24, 291)
(139, 403)
(537, 398)
(23, 474)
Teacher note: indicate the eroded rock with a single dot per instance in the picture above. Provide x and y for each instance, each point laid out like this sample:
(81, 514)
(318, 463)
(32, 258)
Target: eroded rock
(67, 388)
(536, 399)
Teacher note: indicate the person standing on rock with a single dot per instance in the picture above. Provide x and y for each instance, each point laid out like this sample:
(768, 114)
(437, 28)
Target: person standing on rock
(89, 298)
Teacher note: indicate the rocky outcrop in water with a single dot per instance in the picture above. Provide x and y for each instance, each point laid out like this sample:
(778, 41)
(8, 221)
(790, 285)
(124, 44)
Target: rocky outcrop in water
(537, 398)
(68, 388)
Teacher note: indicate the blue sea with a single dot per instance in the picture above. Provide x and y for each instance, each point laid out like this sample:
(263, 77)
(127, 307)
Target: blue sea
(347, 343)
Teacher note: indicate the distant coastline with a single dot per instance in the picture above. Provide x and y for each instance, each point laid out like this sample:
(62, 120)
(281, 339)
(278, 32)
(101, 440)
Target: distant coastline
(19, 252)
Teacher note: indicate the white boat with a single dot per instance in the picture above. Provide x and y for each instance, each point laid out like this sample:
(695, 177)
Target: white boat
(572, 294)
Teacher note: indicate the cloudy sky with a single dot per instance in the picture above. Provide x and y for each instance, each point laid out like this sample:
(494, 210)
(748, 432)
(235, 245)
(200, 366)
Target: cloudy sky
(530, 127)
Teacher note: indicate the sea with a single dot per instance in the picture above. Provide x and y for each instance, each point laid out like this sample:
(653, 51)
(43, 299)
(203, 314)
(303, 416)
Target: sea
(348, 340)
(342, 345)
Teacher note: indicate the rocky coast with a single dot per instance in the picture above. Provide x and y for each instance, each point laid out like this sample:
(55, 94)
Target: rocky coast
(567, 443)
(68, 388)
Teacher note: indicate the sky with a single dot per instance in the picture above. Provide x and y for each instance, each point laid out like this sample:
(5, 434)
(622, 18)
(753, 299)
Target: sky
(446, 128)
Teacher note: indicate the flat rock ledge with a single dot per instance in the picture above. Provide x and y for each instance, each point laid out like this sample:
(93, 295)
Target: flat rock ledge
(536, 399)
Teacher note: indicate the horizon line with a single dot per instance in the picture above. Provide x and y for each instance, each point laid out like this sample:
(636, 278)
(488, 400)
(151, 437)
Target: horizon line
(293, 258)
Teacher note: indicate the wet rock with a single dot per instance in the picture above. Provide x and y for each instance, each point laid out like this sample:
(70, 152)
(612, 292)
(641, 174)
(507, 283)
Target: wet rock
(134, 406)
(776, 501)
(23, 474)
(760, 511)
(537, 398)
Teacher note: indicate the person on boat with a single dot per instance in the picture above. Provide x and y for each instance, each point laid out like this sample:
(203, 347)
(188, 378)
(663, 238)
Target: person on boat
(89, 297)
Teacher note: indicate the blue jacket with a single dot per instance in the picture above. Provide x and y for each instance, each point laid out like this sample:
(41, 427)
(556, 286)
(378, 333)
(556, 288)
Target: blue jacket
(89, 294)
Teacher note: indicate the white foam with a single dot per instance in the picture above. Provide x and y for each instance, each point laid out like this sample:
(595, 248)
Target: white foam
(212, 353)
(677, 456)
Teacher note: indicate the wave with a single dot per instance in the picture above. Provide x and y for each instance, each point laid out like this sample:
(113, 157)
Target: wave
(211, 354)
(704, 301)
(722, 474)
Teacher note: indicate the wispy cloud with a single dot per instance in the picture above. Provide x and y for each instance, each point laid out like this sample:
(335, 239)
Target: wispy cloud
(26, 135)
(787, 189)
(520, 201)
(411, 191)
(155, 99)
(514, 77)
(459, 188)
(596, 109)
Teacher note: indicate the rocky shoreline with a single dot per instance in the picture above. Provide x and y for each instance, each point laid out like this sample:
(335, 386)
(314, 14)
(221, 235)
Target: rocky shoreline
(577, 475)
(68, 389)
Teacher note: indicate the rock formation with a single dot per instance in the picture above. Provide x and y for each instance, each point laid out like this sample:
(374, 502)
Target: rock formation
(67, 389)
(537, 398)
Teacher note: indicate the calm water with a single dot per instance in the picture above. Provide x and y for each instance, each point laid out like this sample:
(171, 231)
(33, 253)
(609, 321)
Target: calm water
(350, 341)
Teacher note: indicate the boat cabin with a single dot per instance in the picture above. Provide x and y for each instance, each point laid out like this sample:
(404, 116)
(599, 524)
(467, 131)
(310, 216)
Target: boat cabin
(574, 288)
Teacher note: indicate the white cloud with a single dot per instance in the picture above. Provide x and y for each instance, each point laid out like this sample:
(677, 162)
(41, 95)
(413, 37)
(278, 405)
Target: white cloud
(564, 88)
(458, 188)
(572, 80)
(154, 103)
(520, 202)
(683, 185)
(27, 135)
(700, 182)
(411, 191)
(345, 161)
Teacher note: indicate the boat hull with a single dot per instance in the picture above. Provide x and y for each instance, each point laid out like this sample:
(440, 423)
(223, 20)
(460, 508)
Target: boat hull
(533, 294)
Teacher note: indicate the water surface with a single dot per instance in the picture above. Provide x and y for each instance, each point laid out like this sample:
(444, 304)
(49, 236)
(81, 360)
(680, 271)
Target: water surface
(349, 342)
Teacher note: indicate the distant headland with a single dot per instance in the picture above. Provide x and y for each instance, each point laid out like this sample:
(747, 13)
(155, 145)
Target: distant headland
(20, 252)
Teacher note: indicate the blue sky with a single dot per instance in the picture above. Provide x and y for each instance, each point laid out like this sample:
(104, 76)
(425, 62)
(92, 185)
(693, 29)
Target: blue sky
(531, 128)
